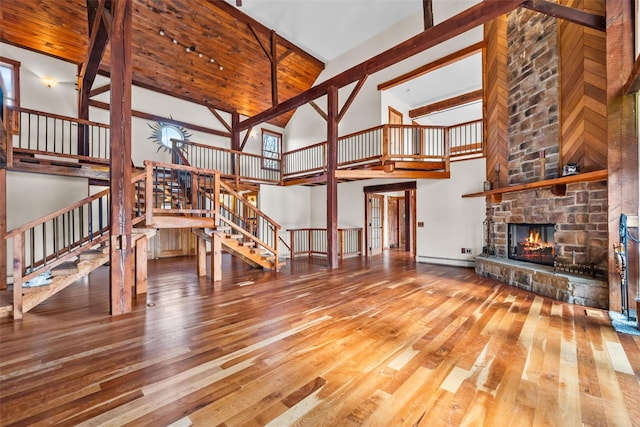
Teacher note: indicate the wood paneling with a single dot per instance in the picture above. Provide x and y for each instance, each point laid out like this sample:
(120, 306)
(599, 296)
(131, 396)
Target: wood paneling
(622, 138)
(373, 343)
(495, 103)
(217, 29)
(583, 108)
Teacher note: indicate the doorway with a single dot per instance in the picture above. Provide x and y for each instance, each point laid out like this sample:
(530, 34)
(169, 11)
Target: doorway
(398, 228)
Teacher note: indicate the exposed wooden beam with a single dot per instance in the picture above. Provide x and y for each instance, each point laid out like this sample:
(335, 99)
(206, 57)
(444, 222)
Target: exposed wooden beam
(318, 110)
(427, 12)
(95, 50)
(397, 174)
(87, 72)
(99, 90)
(153, 88)
(246, 138)
(465, 98)
(121, 250)
(274, 69)
(221, 119)
(458, 24)
(332, 183)
(228, 8)
(352, 97)
(147, 116)
(284, 55)
(633, 83)
(597, 22)
(266, 51)
(3, 228)
(622, 136)
(432, 66)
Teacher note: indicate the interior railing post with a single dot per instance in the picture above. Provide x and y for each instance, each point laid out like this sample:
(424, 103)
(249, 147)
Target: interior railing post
(276, 242)
(447, 149)
(310, 240)
(292, 243)
(148, 197)
(18, 267)
(385, 143)
(360, 241)
(216, 197)
(341, 239)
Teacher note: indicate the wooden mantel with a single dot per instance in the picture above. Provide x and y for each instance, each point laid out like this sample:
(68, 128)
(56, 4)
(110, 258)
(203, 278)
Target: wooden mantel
(559, 185)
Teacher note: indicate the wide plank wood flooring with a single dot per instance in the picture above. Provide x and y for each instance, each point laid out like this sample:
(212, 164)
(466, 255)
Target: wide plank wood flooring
(379, 342)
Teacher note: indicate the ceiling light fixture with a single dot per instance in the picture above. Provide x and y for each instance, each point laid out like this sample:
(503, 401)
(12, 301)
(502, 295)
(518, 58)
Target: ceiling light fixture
(188, 48)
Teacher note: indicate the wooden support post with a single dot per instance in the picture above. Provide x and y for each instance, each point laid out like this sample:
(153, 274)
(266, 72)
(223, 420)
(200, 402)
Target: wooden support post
(332, 182)
(18, 256)
(141, 265)
(3, 228)
(274, 69)
(216, 258)
(622, 159)
(201, 254)
(408, 220)
(121, 258)
(341, 238)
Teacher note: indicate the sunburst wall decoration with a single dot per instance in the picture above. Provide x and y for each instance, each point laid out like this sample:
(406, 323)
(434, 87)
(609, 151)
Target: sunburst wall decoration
(163, 133)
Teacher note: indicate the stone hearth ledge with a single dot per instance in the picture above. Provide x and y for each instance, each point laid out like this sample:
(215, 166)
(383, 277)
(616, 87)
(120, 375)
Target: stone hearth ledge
(541, 279)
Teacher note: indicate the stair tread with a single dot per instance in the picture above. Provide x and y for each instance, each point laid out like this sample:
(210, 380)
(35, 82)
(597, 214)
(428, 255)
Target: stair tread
(92, 254)
(64, 269)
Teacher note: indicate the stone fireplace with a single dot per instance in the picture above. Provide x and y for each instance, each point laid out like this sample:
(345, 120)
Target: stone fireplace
(572, 217)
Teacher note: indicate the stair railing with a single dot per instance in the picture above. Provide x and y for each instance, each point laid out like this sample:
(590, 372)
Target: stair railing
(47, 242)
(175, 190)
(261, 230)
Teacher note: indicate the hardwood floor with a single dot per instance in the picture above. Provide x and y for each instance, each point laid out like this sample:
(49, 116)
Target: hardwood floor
(385, 342)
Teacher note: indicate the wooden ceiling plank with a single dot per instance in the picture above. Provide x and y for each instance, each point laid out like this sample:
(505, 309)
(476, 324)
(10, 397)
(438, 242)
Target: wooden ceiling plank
(432, 66)
(458, 24)
(597, 22)
(455, 101)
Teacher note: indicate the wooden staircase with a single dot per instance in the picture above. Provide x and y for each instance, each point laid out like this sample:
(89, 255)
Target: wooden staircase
(237, 245)
(84, 262)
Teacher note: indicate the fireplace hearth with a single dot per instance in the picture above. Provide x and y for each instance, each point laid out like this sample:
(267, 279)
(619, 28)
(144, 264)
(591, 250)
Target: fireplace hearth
(532, 243)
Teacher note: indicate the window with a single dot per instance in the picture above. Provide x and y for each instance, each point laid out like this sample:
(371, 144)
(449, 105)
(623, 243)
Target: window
(10, 79)
(271, 143)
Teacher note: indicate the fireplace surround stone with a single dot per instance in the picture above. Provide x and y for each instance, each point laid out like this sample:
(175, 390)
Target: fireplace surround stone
(542, 280)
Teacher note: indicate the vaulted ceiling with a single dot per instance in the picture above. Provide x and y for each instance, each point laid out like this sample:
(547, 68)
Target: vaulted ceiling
(240, 44)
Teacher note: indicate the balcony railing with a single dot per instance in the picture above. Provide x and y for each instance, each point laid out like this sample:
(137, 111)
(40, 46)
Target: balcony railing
(313, 242)
(40, 133)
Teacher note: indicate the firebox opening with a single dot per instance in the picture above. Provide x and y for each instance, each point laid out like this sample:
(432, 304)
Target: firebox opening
(532, 243)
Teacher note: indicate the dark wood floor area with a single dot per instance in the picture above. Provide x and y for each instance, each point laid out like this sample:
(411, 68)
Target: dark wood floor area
(384, 342)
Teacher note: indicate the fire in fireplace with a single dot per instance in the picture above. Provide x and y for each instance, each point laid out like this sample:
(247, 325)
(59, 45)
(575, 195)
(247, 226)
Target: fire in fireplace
(532, 243)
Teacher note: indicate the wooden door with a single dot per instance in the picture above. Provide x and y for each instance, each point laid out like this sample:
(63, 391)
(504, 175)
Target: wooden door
(395, 133)
(402, 223)
(392, 222)
(375, 215)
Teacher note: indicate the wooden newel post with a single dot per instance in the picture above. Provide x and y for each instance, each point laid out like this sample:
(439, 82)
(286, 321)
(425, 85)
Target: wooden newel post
(18, 256)
(292, 244)
(275, 246)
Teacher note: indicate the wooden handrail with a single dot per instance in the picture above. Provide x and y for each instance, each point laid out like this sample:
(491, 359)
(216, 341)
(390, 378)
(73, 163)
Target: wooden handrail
(58, 116)
(64, 210)
(246, 203)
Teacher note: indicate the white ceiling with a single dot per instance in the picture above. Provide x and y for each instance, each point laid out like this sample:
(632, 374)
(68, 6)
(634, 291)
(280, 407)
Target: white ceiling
(329, 28)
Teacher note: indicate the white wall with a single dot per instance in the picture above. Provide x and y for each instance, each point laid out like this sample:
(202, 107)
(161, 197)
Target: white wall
(440, 204)
(451, 222)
